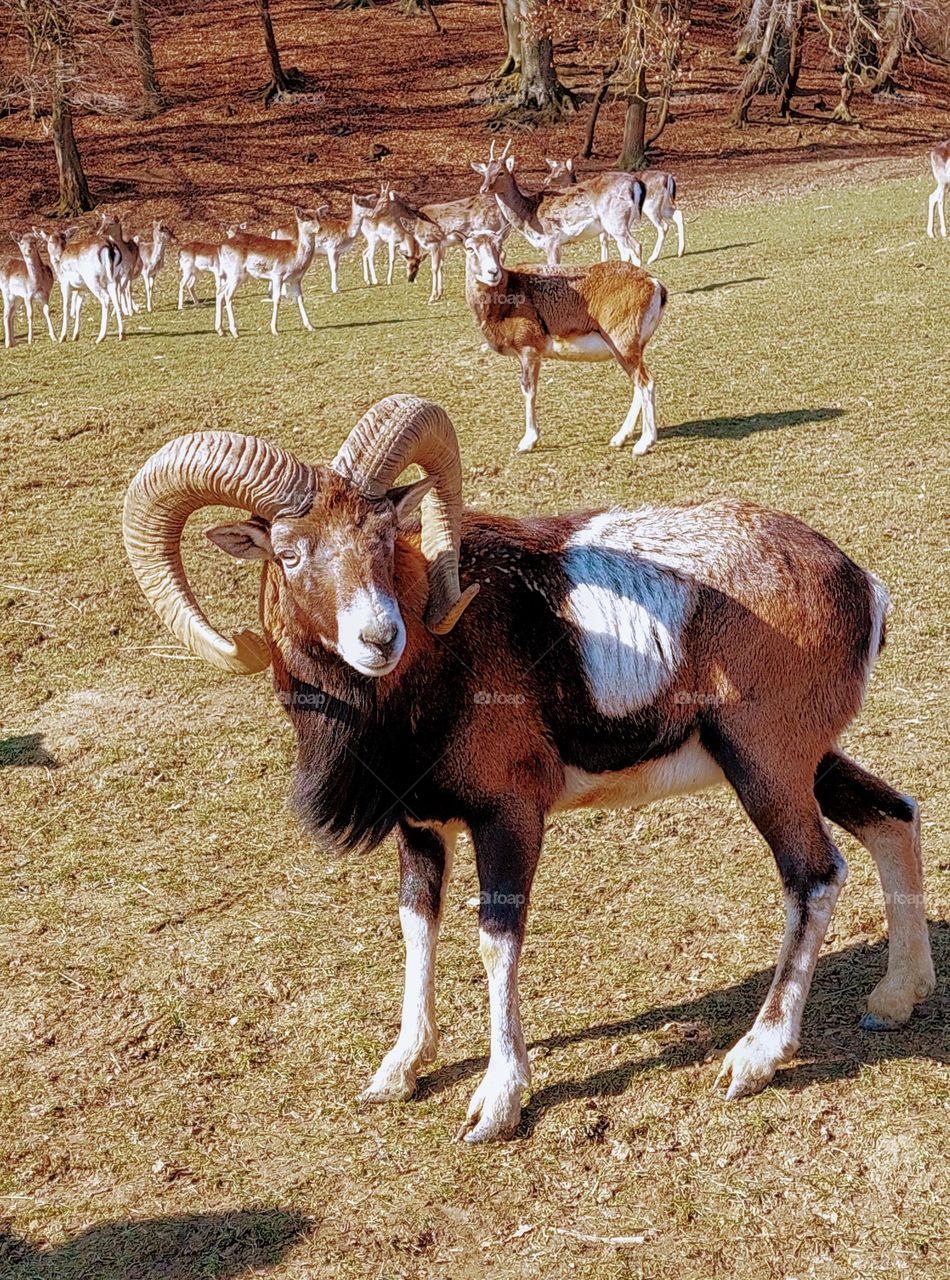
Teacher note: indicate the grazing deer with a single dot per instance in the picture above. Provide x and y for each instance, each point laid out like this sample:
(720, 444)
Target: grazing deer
(152, 253)
(423, 231)
(390, 220)
(195, 256)
(280, 262)
(659, 203)
(605, 312)
(88, 262)
(25, 279)
(940, 163)
(550, 219)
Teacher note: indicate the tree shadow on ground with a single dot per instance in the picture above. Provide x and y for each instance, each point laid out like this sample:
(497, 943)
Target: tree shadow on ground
(735, 428)
(26, 751)
(195, 1247)
(833, 1046)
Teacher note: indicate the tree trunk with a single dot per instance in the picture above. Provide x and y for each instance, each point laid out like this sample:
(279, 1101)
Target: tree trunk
(142, 43)
(790, 84)
(512, 31)
(633, 151)
(595, 109)
(278, 80)
(758, 71)
(895, 32)
(539, 88)
(74, 194)
(751, 34)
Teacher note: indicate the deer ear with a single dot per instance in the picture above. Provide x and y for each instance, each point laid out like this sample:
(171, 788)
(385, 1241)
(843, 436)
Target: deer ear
(510, 164)
(570, 165)
(406, 497)
(479, 168)
(249, 540)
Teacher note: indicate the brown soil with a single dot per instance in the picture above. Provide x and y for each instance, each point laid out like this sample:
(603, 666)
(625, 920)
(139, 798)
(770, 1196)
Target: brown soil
(384, 84)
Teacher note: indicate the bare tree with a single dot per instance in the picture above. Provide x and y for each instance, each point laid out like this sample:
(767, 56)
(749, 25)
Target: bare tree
(538, 94)
(641, 43)
(152, 101)
(281, 81)
(54, 35)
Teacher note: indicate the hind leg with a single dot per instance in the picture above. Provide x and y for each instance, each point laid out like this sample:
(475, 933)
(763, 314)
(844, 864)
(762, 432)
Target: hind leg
(630, 421)
(648, 391)
(680, 231)
(778, 798)
(530, 370)
(660, 237)
(888, 825)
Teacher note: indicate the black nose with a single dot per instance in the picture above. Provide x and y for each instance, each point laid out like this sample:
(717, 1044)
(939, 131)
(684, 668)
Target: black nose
(380, 635)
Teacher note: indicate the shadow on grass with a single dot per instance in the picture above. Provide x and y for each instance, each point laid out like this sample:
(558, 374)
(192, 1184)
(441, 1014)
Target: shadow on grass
(720, 284)
(721, 248)
(735, 428)
(222, 1245)
(832, 1043)
(26, 751)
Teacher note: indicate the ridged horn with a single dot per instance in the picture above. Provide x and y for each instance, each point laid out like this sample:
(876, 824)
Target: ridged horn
(205, 469)
(391, 436)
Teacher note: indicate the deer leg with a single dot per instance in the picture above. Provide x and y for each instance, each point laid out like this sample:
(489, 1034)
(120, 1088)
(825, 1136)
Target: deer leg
(28, 304)
(78, 299)
(888, 825)
(648, 410)
(148, 293)
(660, 237)
(275, 292)
(333, 260)
(66, 294)
(392, 261)
(228, 295)
(629, 423)
(297, 292)
(49, 321)
(781, 803)
(117, 308)
(680, 232)
(425, 865)
(604, 247)
(506, 853)
(530, 370)
(104, 322)
(941, 203)
(7, 321)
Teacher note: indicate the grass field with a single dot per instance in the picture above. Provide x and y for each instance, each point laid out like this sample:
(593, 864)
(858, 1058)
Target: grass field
(194, 995)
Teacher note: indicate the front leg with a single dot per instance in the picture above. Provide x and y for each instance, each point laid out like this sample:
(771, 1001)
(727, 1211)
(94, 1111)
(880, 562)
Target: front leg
(425, 865)
(506, 853)
(530, 370)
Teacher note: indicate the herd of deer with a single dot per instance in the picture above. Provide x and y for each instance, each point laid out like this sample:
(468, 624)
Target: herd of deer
(607, 311)
(104, 263)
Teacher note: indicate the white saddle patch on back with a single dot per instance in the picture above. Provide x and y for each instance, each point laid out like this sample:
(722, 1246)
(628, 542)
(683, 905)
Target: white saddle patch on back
(630, 614)
(580, 346)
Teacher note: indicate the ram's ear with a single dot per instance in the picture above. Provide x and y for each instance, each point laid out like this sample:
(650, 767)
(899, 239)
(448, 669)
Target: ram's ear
(406, 497)
(249, 540)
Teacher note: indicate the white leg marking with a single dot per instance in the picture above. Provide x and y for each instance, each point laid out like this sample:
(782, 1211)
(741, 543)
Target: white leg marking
(495, 1108)
(773, 1039)
(648, 434)
(630, 421)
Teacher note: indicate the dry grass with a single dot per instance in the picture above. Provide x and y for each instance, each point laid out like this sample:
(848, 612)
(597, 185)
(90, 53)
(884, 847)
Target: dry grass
(194, 995)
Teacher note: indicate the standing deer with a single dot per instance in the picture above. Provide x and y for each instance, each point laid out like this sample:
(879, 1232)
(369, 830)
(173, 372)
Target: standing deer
(153, 257)
(280, 262)
(605, 312)
(940, 163)
(659, 203)
(550, 219)
(89, 262)
(25, 279)
(195, 256)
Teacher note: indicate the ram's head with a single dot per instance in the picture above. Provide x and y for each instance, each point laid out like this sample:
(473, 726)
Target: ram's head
(329, 532)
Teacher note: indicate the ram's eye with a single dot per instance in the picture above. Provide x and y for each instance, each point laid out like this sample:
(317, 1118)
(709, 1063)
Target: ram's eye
(289, 557)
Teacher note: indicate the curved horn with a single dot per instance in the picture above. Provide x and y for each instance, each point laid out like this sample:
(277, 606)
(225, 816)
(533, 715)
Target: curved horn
(207, 468)
(395, 433)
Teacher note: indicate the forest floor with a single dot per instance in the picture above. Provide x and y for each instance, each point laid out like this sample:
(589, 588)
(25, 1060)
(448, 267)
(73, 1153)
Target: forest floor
(193, 994)
(383, 84)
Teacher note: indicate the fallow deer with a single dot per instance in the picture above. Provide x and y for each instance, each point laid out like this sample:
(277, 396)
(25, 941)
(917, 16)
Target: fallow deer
(25, 279)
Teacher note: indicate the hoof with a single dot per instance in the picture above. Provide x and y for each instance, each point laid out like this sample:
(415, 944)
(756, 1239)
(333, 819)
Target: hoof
(495, 1109)
(751, 1063)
